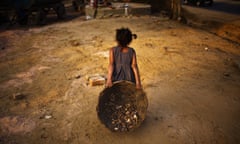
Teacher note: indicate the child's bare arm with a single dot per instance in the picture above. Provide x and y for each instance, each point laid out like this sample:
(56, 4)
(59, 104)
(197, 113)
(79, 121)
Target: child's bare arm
(136, 71)
(110, 68)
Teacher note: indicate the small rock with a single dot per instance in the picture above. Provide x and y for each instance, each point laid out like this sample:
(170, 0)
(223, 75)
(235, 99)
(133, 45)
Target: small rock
(135, 116)
(18, 96)
(118, 107)
(206, 48)
(47, 116)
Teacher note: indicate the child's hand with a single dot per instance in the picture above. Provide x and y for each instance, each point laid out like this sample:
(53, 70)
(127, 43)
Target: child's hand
(109, 83)
(138, 86)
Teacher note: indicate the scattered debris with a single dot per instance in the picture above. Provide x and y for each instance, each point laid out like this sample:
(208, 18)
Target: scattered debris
(124, 117)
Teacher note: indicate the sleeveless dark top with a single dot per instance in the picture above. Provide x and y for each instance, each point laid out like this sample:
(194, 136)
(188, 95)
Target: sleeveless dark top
(123, 65)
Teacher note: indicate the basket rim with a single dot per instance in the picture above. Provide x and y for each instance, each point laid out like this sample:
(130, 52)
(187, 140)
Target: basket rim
(120, 81)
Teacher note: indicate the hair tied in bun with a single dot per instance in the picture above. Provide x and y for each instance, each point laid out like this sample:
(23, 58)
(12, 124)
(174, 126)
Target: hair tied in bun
(134, 36)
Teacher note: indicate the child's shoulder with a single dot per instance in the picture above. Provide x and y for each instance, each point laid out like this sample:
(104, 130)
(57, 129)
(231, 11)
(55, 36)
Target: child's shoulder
(132, 49)
(112, 48)
(115, 48)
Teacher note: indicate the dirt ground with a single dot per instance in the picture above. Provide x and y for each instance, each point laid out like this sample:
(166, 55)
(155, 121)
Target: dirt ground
(191, 78)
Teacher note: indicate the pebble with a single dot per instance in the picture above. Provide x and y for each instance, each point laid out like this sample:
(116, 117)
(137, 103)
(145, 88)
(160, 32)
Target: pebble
(123, 117)
(47, 116)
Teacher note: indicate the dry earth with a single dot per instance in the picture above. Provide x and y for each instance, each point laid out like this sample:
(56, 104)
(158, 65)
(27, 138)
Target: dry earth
(191, 77)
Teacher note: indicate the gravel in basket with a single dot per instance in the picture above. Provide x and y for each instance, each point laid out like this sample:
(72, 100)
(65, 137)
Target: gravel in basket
(122, 107)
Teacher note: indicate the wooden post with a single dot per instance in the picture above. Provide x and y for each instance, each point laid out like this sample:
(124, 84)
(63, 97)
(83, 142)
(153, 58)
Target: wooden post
(175, 9)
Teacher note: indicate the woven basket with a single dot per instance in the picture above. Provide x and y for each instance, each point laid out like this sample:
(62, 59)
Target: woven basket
(122, 107)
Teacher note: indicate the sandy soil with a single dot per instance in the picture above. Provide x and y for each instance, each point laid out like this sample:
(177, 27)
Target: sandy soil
(191, 77)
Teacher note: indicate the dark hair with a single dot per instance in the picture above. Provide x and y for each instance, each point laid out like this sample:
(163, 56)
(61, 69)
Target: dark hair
(124, 36)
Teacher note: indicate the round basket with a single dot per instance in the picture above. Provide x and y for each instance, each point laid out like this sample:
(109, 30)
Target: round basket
(122, 107)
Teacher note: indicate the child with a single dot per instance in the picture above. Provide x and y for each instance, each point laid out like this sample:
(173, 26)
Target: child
(122, 60)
